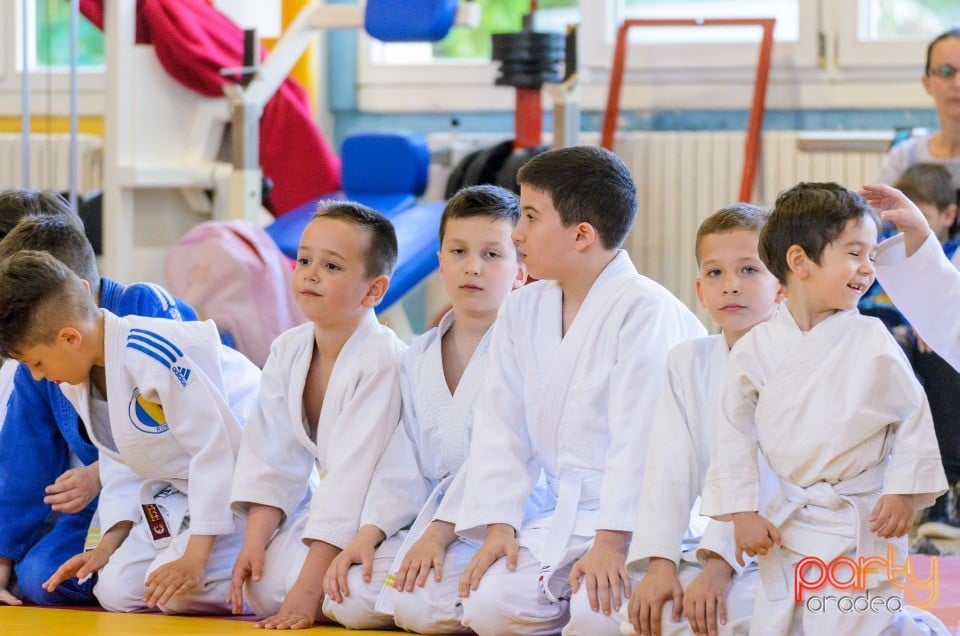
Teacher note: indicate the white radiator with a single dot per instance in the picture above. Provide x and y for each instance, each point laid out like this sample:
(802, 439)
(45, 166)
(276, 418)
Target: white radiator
(683, 177)
(50, 162)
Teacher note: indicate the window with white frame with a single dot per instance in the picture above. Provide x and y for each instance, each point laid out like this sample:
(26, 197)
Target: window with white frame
(826, 55)
(890, 33)
(44, 26)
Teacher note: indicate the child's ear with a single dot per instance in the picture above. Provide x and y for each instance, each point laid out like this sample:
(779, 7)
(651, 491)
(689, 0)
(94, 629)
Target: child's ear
(585, 237)
(950, 214)
(781, 294)
(700, 292)
(439, 265)
(798, 261)
(521, 278)
(70, 336)
(86, 285)
(376, 291)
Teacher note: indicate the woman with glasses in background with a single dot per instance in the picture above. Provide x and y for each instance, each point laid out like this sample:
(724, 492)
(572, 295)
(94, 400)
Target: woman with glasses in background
(941, 80)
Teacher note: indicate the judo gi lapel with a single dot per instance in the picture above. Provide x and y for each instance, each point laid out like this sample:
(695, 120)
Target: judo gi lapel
(350, 354)
(298, 379)
(557, 382)
(456, 432)
(801, 354)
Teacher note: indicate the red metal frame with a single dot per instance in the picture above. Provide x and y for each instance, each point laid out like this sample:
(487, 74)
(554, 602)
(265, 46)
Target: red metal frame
(757, 108)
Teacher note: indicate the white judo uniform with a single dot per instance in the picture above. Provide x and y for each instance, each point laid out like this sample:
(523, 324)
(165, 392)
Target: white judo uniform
(360, 412)
(840, 418)
(926, 289)
(176, 401)
(415, 483)
(668, 523)
(578, 407)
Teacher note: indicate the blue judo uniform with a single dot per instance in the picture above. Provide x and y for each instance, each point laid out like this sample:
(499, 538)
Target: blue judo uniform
(40, 431)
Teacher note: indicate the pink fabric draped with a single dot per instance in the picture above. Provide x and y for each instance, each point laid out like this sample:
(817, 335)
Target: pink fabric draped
(193, 42)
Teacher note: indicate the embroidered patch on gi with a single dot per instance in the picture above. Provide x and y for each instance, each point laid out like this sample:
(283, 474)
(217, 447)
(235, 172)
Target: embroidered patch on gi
(182, 374)
(147, 416)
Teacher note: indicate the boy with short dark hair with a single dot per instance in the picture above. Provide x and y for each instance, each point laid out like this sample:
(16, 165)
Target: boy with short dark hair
(49, 475)
(576, 367)
(419, 478)
(329, 398)
(828, 398)
(163, 402)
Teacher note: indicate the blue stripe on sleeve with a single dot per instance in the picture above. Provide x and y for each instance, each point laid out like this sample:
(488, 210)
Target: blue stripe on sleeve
(149, 352)
(159, 338)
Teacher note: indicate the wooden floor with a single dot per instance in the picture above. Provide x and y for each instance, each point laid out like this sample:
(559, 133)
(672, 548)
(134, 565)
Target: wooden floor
(36, 621)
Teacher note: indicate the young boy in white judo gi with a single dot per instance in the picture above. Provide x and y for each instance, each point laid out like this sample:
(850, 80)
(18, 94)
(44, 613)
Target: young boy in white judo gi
(439, 381)
(162, 400)
(738, 291)
(330, 398)
(829, 399)
(49, 473)
(915, 272)
(576, 367)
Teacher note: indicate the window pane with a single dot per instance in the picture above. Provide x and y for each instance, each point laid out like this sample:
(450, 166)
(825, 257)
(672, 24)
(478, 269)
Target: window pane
(785, 11)
(53, 37)
(497, 16)
(906, 19)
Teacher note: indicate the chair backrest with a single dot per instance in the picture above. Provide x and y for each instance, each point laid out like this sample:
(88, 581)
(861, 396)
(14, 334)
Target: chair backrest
(409, 20)
(385, 163)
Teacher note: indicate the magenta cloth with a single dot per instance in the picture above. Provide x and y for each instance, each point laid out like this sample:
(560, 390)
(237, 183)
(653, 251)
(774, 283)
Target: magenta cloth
(193, 42)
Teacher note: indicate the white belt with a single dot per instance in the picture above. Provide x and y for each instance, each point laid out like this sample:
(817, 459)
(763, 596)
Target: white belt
(574, 491)
(387, 599)
(848, 492)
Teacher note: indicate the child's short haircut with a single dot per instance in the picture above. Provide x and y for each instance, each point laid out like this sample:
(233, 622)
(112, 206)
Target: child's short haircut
(381, 256)
(733, 218)
(586, 184)
(811, 215)
(59, 236)
(928, 183)
(16, 205)
(39, 295)
(483, 200)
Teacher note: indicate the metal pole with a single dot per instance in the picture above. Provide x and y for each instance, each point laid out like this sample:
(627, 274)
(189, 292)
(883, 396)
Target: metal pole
(74, 101)
(25, 98)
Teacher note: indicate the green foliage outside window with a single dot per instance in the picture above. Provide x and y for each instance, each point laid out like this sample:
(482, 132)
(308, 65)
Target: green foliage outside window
(912, 20)
(53, 36)
(498, 16)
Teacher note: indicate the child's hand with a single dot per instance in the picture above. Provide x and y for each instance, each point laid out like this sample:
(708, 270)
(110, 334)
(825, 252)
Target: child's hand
(361, 551)
(754, 534)
(74, 489)
(298, 611)
(174, 578)
(249, 565)
(893, 515)
(603, 568)
(705, 599)
(79, 566)
(501, 542)
(894, 206)
(426, 554)
(659, 585)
